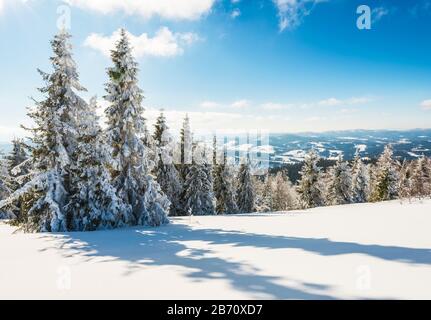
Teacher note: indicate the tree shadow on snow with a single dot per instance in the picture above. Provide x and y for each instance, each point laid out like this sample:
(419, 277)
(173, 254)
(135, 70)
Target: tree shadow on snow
(145, 247)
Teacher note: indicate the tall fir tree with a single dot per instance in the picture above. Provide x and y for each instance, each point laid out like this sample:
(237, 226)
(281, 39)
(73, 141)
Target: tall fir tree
(131, 165)
(167, 175)
(386, 177)
(18, 166)
(224, 189)
(93, 203)
(246, 195)
(309, 187)
(421, 178)
(198, 186)
(405, 182)
(5, 213)
(53, 143)
(339, 184)
(284, 196)
(360, 180)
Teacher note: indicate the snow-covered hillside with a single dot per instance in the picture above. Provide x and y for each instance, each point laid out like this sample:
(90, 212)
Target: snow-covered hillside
(378, 250)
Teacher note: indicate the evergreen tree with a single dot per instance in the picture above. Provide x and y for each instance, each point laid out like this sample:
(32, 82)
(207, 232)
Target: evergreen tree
(386, 177)
(17, 164)
(53, 144)
(224, 190)
(186, 147)
(421, 178)
(263, 190)
(131, 165)
(245, 193)
(167, 175)
(340, 184)
(360, 180)
(5, 213)
(405, 190)
(284, 196)
(198, 188)
(93, 201)
(309, 188)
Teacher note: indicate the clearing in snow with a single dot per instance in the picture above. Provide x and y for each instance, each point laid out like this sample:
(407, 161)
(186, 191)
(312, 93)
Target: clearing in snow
(355, 251)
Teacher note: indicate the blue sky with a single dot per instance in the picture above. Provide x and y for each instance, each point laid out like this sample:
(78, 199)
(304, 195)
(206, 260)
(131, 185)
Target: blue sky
(233, 65)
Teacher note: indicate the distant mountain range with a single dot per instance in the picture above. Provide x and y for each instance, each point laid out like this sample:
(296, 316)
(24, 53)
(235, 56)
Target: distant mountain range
(291, 148)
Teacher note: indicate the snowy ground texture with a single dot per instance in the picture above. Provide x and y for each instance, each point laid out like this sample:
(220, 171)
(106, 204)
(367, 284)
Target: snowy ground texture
(378, 250)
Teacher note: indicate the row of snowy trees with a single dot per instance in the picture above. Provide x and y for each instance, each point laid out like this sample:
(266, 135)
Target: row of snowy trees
(74, 175)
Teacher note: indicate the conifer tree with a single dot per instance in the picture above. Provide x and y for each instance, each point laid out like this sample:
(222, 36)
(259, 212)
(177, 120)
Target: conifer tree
(245, 193)
(93, 202)
(167, 175)
(131, 165)
(53, 144)
(421, 178)
(360, 180)
(339, 184)
(198, 187)
(309, 187)
(405, 190)
(224, 190)
(284, 196)
(386, 177)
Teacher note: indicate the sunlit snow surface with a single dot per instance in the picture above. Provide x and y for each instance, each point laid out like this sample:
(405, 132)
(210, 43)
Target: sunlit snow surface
(359, 251)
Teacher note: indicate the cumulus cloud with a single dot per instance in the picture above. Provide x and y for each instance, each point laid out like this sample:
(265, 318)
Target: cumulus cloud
(165, 43)
(378, 13)
(426, 104)
(169, 9)
(271, 106)
(235, 13)
(240, 104)
(292, 12)
(209, 104)
(333, 102)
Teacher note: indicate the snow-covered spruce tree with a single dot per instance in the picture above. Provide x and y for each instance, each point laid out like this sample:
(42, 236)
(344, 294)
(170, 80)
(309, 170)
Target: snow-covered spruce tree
(53, 144)
(5, 213)
(262, 187)
(284, 196)
(198, 187)
(386, 177)
(18, 172)
(224, 190)
(130, 161)
(93, 203)
(340, 184)
(309, 187)
(186, 147)
(421, 178)
(360, 180)
(167, 175)
(405, 190)
(246, 196)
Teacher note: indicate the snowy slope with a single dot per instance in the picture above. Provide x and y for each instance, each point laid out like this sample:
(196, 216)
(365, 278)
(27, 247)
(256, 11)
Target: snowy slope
(356, 251)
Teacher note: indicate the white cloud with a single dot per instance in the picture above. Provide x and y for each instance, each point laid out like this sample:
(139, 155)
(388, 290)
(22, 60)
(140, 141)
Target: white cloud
(169, 9)
(209, 104)
(1, 5)
(275, 106)
(426, 104)
(235, 13)
(333, 102)
(292, 12)
(240, 104)
(165, 43)
(379, 13)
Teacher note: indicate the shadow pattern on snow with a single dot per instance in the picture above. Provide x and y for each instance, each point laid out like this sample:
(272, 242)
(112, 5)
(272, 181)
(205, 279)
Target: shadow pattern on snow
(166, 246)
